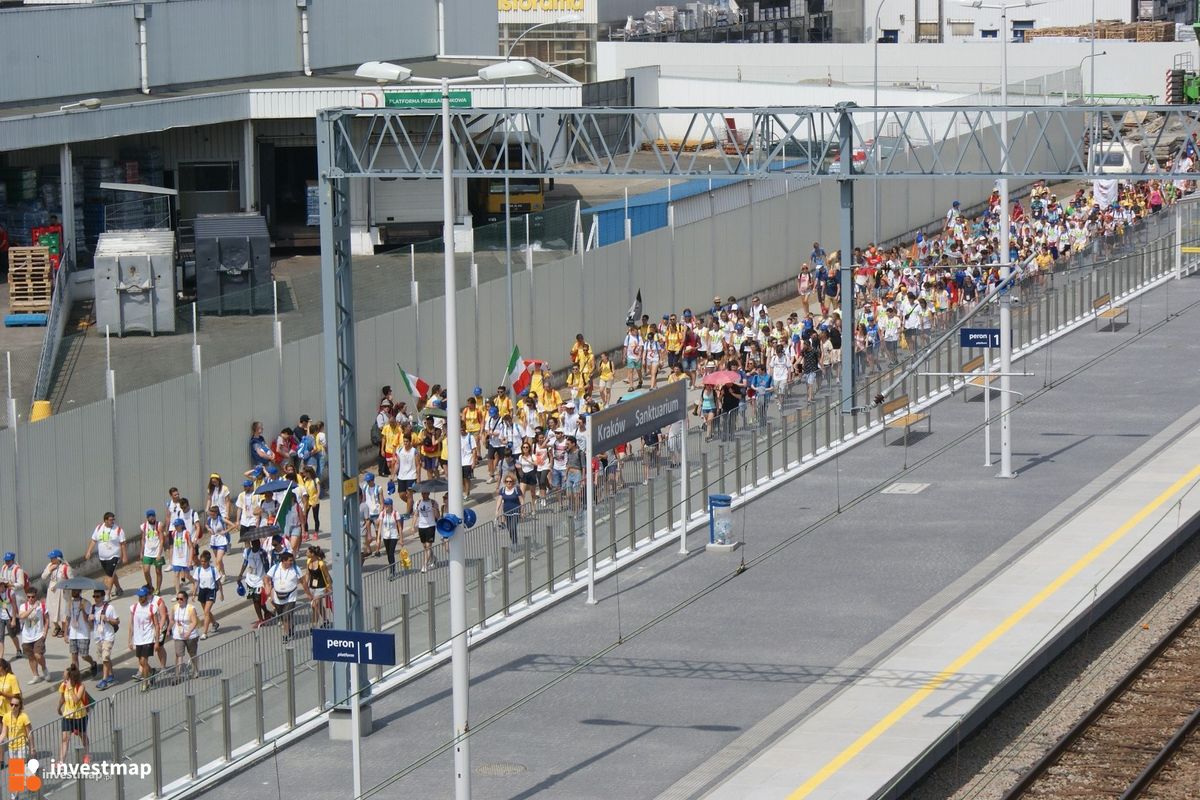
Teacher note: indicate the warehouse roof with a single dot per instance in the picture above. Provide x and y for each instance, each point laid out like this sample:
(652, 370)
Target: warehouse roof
(24, 127)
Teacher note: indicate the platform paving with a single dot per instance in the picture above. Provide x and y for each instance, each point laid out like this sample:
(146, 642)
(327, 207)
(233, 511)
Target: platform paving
(683, 657)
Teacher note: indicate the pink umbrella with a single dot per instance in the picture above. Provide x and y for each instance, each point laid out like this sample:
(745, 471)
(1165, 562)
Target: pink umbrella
(722, 377)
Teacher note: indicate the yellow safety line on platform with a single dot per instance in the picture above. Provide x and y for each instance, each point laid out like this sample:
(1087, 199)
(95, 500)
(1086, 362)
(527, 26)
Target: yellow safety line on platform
(1189, 249)
(960, 663)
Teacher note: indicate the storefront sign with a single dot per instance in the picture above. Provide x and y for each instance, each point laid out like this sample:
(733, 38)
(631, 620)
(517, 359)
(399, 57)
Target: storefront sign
(537, 11)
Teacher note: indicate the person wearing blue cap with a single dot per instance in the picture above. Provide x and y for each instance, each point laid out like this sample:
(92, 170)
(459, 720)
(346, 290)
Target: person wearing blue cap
(391, 529)
(12, 574)
(372, 500)
(145, 632)
(181, 553)
(152, 549)
(55, 572)
(247, 508)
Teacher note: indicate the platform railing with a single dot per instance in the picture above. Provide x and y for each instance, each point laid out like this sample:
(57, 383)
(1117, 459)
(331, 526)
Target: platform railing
(56, 322)
(253, 689)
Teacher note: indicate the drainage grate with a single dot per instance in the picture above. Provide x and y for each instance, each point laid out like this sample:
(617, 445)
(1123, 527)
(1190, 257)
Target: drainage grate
(499, 769)
(905, 488)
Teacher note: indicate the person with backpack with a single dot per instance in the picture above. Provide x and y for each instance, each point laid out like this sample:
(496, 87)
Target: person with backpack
(55, 572)
(320, 581)
(78, 624)
(16, 577)
(283, 582)
(185, 630)
(208, 580)
(153, 558)
(108, 543)
(73, 702)
(255, 563)
(34, 622)
(104, 633)
(9, 625)
(145, 627)
(181, 553)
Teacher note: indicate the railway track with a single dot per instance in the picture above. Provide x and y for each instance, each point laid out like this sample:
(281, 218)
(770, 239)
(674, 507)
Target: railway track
(1138, 740)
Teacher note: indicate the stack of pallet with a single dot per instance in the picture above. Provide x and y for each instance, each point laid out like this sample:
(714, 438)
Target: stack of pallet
(1111, 29)
(30, 280)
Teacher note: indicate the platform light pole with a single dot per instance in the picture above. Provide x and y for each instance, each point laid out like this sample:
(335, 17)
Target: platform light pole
(565, 19)
(460, 678)
(875, 116)
(1005, 262)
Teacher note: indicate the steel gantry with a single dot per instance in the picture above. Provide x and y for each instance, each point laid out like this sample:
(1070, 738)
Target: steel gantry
(1043, 142)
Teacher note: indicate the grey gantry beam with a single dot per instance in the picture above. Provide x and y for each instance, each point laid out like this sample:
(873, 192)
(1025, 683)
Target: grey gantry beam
(1049, 142)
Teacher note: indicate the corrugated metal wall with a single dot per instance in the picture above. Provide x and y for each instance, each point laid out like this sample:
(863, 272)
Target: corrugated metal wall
(57, 477)
(197, 41)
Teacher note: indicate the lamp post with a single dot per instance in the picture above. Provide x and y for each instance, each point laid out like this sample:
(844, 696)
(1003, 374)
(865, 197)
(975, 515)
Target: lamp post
(460, 679)
(875, 114)
(1005, 264)
(563, 20)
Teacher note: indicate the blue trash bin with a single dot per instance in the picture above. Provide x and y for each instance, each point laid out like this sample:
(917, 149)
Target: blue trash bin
(720, 519)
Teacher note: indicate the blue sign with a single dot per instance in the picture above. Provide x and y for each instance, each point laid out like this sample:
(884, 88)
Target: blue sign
(979, 337)
(353, 647)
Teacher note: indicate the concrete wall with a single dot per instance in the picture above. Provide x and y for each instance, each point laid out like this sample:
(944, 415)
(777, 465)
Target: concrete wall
(57, 52)
(963, 68)
(903, 16)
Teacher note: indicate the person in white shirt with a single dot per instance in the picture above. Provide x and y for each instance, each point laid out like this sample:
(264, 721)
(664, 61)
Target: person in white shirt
(427, 514)
(104, 633)
(255, 563)
(391, 527)
(208, 581)
(153, 557)
(108, 543)
(469, 457)
(145, 628)
(283, 582)
(34, 621)
(79, 630)
(218, 536)
(406, 472)
(218, 494)
(247, 507)
(372, 505)
(185, 630)
(12, 573)
(181, 553)
(195, 528)
(9, 625)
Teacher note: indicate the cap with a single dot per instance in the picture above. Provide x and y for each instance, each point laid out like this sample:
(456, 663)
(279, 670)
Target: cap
(477, 391)
(151, 513)
(179, 523)
(368, 476)
(387, 501)
(272, 469)
(10, 556)
(246, 484)
(277, 538)
(955, 204)
(213, 475)
(143, 592)
(304, 418)
(687, 312)
(55, 553)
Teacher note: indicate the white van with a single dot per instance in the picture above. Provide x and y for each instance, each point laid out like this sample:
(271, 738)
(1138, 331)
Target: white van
(1121, 157)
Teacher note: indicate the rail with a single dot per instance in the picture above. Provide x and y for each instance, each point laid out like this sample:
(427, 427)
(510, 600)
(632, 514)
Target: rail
(56, 322)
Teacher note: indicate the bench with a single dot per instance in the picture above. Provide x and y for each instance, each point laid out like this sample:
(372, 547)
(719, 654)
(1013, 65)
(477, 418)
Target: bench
(979, 381)
(1112, 313)
(906, 420)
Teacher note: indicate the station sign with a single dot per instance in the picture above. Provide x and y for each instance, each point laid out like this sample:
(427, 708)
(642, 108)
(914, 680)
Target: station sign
(425, 99)
(353, 647)
(629, 419)
(979, 337)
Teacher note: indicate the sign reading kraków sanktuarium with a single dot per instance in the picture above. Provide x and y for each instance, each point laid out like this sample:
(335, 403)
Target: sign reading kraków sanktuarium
(535, 11)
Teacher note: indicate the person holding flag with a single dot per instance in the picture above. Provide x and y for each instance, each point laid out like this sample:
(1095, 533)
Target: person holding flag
(417, 387)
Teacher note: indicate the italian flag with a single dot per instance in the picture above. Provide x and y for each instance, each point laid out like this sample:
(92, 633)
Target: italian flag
(520, 371)
(415, 386)
(285, 505)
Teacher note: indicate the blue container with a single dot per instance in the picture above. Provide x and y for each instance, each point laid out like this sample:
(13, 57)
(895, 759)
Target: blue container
(720, 519)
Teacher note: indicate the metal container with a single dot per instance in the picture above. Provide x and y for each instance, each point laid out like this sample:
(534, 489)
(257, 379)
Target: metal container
(135, 281)
(233, 264)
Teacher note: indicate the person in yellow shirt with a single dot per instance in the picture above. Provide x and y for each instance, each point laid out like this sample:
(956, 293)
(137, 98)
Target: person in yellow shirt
(17, 731)
(390, 437)
(577, 348)
(73, 708)
(587, 368)
(607, 375)
(503, 401)
(537, 381)
(551, 400)
(575, 382)
(472, 415)
(9, 687)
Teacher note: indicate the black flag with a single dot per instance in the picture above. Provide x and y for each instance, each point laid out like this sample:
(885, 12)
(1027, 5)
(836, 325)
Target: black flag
(635, 310)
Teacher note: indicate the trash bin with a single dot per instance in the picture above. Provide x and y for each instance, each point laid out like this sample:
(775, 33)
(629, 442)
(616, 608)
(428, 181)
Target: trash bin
(720, 519)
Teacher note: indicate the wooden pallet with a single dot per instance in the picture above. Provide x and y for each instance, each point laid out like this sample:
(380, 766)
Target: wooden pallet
(34, 258)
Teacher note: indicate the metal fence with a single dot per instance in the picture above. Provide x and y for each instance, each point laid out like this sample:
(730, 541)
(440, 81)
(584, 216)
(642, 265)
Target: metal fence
(254, 688)
(60, 309)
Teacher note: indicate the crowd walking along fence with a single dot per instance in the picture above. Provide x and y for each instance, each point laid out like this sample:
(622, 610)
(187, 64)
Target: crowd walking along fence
(252, 689)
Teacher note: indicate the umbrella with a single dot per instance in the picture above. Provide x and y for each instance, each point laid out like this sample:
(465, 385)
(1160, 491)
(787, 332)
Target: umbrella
(270, 487)
(632, 394)
(433, 411)
(433, 486)
(722, 377)
(82, 584)
(265, 533)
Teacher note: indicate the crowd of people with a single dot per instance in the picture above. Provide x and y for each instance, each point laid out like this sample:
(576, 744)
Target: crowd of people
(523, 450)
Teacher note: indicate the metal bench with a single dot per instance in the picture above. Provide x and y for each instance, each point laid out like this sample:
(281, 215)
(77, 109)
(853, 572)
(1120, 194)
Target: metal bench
(1112, 313)
(906, 419)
